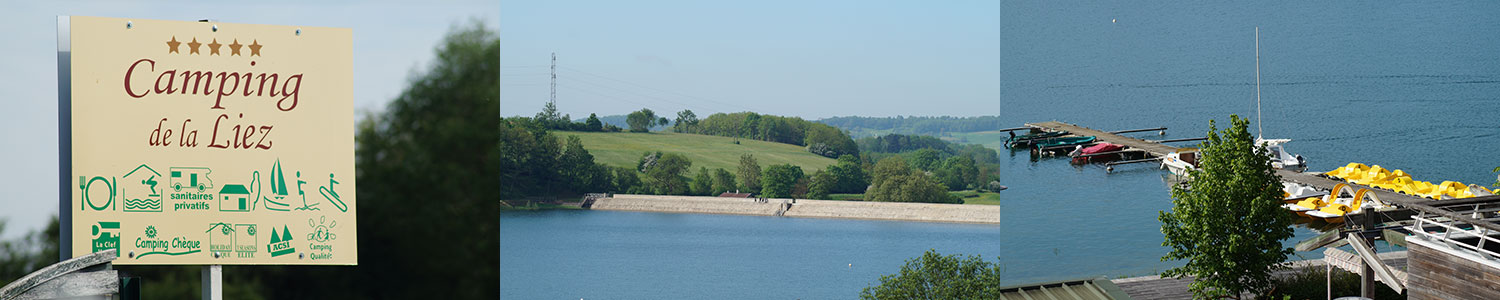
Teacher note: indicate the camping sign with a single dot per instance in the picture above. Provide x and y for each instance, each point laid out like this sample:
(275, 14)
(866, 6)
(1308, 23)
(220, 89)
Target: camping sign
(202, 143)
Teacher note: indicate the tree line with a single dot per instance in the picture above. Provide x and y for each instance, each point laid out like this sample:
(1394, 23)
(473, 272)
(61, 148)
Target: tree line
(915, 125)
(820, 139)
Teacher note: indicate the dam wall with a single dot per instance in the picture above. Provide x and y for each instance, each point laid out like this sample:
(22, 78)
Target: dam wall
(893, 211)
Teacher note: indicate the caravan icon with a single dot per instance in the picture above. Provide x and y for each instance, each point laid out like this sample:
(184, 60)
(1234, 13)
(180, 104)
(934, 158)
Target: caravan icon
(195, 177)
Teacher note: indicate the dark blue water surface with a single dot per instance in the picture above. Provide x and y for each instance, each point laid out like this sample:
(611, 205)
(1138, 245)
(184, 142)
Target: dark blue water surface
(1406, 85)
(638, 255)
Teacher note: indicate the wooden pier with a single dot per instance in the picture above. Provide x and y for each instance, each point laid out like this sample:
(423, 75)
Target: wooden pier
(1155, 149)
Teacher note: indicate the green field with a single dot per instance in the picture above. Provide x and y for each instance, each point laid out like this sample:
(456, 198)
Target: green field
(624, 149)
(990, 139)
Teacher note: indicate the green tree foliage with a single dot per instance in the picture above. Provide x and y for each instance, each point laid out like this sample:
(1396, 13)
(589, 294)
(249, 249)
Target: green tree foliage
(821, 185)
(898, 143)
(932, 154)
(593, 123)
(723, 182)
(925, 159)
(434, 144)
(847, 176)
(821, 139)
(749, 173)
(702, 183)
(959, 173)
(642, 120)
(578, 169)
(665, 174)
(1228, 223)
(779, 180)
(936, 276)
(628, 181)
(527, 158)
(915, 125)
(686, 121)
(893, 181)
(829, 141)
(551, 119)
(31, 252)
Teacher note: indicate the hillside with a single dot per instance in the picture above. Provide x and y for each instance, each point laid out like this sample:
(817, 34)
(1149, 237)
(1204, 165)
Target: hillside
(993, 139)
(624, 149)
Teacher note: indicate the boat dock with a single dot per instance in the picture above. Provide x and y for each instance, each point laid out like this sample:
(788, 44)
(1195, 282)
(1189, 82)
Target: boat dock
(1153, 148)
(1311, 179)
(1157, 149)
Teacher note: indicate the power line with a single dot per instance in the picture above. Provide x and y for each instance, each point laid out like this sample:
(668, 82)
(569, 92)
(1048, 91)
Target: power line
(605, 96)
(553, 99)
(659, 90)
(637, 94)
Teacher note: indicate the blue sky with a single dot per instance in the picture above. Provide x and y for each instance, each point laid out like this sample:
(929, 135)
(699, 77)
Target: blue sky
(812, 59)
(391, 40)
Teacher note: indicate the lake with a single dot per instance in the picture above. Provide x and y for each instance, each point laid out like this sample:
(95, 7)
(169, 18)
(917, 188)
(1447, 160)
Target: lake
(572, 254)
(1409, 85)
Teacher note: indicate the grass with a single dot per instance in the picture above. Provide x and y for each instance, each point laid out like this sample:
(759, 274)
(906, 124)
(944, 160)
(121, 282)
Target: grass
(977, 197)
(624, 149)
(990, 139)
(970, 197)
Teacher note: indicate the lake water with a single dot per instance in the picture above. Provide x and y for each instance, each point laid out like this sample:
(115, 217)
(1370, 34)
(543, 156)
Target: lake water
(639, 255)
(1413, 86)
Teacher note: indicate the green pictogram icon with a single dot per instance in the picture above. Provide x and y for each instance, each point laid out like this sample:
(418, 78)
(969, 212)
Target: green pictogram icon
(151, 231)
(303, 194)
(234, 197)
(318, 239)
(281, 244)
(322, 231)
(144, 197)
(89, 199)
(333, 196)
(107, 236)
(278, 188)
(191, 178)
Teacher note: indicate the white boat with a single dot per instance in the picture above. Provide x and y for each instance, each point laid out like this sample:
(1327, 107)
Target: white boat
(1180, 162)
(1281, 159)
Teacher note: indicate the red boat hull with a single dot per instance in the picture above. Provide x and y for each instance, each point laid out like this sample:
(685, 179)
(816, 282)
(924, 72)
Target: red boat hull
(1096, 149)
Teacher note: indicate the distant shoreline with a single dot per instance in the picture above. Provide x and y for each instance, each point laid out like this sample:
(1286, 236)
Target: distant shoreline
(830, 209)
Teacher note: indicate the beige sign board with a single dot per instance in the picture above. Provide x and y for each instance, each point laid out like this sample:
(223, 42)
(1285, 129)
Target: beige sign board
(201, 143)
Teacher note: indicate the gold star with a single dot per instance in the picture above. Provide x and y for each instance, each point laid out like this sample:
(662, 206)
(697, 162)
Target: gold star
(234, 49)
(213, 47)
(194, 46)
(255, 48)
(173, 44)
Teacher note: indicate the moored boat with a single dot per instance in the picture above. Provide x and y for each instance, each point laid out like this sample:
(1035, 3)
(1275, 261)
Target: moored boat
(1090, 153)
(1181, 162)
(1063, 141)
(1022, 141)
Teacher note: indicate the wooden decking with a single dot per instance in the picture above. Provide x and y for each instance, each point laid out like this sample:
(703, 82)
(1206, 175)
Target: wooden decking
(1156, 149)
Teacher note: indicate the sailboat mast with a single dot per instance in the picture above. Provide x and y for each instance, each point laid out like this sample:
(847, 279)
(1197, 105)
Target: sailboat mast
(1260, 130)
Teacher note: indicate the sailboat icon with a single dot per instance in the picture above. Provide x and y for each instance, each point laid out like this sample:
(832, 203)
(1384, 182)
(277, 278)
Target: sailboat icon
(278, 189)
